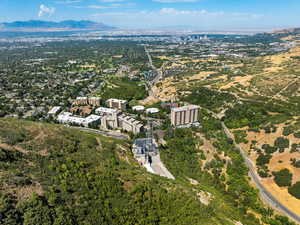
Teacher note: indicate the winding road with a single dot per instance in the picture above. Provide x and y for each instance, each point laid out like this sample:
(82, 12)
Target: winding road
(264, 193)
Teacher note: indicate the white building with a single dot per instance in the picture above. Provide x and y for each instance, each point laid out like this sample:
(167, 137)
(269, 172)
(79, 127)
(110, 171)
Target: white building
(152, 110)
(138, 108)
(92, 120)
(68, 118)
(54, 111)
(106, 111)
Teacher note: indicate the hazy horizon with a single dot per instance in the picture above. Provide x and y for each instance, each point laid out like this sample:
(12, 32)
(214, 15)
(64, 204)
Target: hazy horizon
(152, 14)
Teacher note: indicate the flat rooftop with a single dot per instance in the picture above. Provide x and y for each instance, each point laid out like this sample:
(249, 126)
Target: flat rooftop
(184, 108)
(106, 110)
(116, 100)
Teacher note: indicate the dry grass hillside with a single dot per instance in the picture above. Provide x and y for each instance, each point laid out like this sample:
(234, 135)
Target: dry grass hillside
(264, 80)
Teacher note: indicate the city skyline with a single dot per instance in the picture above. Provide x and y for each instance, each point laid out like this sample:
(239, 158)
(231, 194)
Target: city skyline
(149, 14)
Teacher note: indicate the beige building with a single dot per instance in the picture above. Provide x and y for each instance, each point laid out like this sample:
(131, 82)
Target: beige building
(93, 101)
(130, 124)
(116, 103)
(184, 115)
(81, 101)
(109, 117)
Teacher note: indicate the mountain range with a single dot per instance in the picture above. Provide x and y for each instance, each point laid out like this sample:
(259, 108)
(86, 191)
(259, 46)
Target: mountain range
(39, 25)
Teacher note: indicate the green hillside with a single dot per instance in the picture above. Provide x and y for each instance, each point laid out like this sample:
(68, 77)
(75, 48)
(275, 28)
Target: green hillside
(55, 175)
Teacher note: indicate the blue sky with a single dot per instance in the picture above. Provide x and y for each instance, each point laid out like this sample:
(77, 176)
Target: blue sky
(202, 14)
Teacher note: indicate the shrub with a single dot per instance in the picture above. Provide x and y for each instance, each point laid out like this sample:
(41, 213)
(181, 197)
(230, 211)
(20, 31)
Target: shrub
(287, 131)
(295, 163)
(263, 173)
(295, 190)
(240, 136)
(295, 147)
(263, 159)
(297, 135)
(254, 129)
(282, 143)
(283, 178)
(269, 149)
(270, 129)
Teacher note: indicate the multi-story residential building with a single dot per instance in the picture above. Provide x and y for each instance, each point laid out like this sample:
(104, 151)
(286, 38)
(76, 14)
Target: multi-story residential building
(81, 101)
(130, 124)
(93, 101)
(106, 111)
(116, 103)
(92, 120)
(109, 117)
(68, 118)
(185, 115)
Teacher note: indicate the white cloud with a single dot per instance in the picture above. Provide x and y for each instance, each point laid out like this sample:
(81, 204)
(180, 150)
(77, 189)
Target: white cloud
(44, 10)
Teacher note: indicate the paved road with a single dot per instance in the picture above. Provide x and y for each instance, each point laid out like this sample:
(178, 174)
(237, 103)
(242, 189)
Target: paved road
(159, 168)
(265, 194)
(150, 59)
(104, 133)
(156, 79)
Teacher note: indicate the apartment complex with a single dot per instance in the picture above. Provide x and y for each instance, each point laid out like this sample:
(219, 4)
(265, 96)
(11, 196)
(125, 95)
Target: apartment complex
(116, 103)
(81, 101)
(129, 124)
(68, 118)
(184, 115)
(109, 117)
(94, 101)
(103, 111)
(114, 119)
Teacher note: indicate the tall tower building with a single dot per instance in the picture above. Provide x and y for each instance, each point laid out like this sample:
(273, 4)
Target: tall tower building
(184, 115)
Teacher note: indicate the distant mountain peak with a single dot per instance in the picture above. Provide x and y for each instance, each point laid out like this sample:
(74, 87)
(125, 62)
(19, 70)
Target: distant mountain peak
(51, 25)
